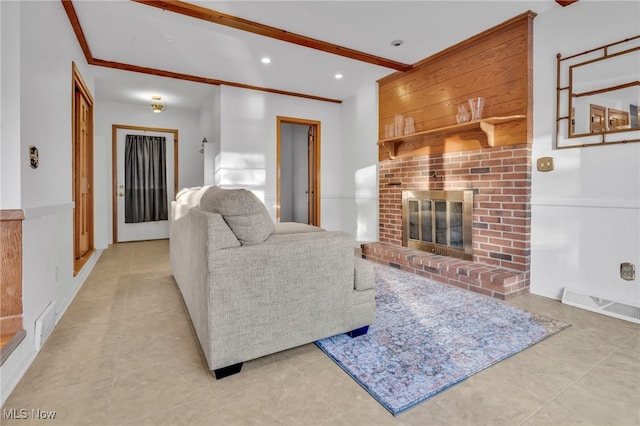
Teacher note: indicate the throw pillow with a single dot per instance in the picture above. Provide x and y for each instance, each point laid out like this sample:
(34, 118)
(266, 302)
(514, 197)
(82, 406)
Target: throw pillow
(245, 214)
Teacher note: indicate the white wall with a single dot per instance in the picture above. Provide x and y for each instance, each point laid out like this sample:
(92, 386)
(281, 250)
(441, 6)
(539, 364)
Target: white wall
(10, 105)
(210, 129)
(36, 96)
(190, 161)
(585, 213)
(248, 146)
(359, 210)
(286, 177)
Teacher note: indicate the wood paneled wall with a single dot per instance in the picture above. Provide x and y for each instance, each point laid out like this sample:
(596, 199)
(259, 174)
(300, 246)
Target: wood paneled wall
(11, 271)
(496, 64)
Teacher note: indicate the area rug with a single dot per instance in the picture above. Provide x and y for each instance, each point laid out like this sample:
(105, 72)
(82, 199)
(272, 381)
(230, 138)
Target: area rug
(430, 336)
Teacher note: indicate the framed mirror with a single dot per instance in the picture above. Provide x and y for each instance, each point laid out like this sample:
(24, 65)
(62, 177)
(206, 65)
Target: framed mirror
(599, 96)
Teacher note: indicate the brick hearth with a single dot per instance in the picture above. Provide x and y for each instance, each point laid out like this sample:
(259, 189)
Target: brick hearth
(489, 280)
(501, 181)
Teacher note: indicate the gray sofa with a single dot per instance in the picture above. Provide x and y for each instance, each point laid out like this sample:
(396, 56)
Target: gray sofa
(253, 287)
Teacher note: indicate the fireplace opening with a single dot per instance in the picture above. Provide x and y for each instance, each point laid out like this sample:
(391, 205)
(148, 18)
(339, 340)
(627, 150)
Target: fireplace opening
(438, 222)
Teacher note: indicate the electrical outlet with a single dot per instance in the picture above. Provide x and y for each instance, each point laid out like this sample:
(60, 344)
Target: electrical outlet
(545, 164)
(627, 271)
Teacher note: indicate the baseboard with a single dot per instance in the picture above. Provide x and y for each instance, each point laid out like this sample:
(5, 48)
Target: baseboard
(14, 368)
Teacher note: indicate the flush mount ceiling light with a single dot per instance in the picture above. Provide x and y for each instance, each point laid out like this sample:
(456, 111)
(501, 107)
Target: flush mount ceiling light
(157, 104)
(266, 60)
(338, 76)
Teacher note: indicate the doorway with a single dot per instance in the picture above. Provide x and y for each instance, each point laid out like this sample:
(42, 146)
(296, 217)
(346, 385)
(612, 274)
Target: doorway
(145, 230)
(82, 170)
(298, 170)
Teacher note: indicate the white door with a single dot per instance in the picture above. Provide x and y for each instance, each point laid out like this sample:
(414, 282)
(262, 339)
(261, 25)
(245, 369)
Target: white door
(145, 230)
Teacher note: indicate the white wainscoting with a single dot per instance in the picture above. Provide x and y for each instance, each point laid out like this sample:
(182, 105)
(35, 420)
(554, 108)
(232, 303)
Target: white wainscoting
(580, 244)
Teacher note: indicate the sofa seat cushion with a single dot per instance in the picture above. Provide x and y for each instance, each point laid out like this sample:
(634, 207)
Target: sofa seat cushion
(245, 214)
(295, 228)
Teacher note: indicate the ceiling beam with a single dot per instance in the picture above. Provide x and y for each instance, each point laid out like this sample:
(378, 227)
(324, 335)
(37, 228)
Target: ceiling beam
(197, 79)
(220, 18)
(82, 40)
(77, 28)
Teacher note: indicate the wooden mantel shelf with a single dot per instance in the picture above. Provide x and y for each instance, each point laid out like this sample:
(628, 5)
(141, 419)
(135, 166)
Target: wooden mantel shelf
(485, 125)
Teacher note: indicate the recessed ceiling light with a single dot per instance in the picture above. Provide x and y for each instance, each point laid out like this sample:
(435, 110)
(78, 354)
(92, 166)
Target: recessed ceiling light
(338, 76)
(266, 60)
(396, 43)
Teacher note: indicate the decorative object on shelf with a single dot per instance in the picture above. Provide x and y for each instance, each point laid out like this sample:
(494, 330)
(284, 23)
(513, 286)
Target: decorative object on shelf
(157, 104)
(423, 138)
(33, 157)
(409, 127)
(463, 115)
(399, 125)
(476, 105)
(389, 131)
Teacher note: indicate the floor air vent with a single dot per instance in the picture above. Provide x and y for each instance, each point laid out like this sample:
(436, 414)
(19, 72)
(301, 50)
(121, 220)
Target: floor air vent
(601, 305)
(45, 324)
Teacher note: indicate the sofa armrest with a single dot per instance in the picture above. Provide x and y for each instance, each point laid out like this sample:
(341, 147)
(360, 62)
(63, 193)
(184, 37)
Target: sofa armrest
(192, 233)
(365, 276)
(219, 235)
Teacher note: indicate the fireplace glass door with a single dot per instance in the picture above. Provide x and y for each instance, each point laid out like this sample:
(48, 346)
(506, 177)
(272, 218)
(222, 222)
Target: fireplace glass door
(438, 221)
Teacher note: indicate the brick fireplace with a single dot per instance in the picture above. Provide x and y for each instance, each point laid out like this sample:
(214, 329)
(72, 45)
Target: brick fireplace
(489, 155)
(500, 179)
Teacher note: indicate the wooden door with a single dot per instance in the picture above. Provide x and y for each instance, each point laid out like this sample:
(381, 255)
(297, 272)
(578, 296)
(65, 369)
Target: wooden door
(311, 153)
(83, 244)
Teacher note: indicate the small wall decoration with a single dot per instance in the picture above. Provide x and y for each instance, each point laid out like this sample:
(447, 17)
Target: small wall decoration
(33, 157)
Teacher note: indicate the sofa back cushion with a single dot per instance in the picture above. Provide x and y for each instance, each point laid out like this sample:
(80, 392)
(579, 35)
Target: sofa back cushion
(190, 197)
(245, 214)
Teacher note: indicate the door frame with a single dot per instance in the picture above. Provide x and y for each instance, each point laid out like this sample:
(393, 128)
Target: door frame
(78, 85)
(114, 166)
(314, 164)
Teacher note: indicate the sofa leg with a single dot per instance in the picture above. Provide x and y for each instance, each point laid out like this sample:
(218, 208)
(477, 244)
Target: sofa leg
(359, 331)
(223, 372)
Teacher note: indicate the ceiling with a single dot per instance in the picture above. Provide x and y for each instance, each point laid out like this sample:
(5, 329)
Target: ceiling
(132, 33)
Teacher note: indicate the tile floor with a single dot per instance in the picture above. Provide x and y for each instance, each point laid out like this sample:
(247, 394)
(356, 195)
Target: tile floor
(123, 354)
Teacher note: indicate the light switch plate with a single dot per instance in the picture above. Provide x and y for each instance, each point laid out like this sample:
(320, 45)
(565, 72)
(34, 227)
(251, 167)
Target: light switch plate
(545, 164)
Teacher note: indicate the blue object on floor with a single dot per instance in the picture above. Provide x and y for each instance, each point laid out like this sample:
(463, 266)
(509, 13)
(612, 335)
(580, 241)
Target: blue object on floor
(359, 331)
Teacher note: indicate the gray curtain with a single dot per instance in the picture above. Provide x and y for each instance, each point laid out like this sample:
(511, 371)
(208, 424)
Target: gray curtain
(145, 163)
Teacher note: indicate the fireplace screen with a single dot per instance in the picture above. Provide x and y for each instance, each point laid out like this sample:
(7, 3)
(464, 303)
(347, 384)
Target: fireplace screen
(438, 222)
